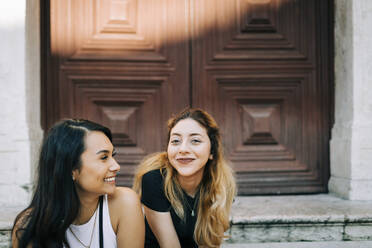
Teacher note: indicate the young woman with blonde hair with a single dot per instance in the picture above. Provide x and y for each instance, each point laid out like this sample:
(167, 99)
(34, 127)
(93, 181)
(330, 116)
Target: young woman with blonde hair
(188, 190)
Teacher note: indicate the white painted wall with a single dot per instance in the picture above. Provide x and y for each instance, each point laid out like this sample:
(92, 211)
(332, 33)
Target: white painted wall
(20, 131)
(351, 144)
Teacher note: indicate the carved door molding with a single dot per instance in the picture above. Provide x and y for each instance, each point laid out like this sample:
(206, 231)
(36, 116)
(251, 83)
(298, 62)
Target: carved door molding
(264, 75)
(260, 67)
(108, 63)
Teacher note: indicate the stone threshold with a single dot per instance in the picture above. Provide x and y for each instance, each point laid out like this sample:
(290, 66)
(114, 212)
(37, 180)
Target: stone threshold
(312, 218)
(330, 244)
(278, 219)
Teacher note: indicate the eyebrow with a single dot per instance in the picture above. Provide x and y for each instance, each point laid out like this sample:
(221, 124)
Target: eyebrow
(105, 151)
(192, 134)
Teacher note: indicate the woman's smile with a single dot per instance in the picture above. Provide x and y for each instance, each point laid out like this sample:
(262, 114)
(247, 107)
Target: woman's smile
(185, 160)
(110, 179)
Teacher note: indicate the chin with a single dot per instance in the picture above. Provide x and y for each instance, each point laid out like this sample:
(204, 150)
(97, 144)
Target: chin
(186, 172)
(111, 190)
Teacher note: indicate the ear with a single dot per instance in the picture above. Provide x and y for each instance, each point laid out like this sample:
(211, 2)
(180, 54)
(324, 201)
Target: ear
(75, 174)
(211, 156)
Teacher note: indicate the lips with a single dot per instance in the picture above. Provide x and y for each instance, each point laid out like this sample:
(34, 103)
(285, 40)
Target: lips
(185, 160)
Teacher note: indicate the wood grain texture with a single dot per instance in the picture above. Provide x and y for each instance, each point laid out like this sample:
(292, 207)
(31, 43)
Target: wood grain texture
(108, 63)
(260, 67)
(264, 78)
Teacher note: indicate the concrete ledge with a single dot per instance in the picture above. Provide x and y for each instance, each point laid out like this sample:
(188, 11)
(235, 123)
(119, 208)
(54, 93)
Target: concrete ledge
(322, 208)
(340, 244)
(291, 220)
(312, 218)
(5, 239)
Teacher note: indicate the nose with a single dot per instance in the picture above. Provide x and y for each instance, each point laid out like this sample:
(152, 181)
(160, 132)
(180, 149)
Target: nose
(114, 166)
(184, 148)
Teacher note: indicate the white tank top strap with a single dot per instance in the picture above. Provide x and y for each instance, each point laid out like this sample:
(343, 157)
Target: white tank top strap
(80, 235)
(108, 232)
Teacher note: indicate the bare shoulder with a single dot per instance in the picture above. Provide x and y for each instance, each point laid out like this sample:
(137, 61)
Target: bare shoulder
(21, 219)
(124, 205)
(123, 196)
(124, 200)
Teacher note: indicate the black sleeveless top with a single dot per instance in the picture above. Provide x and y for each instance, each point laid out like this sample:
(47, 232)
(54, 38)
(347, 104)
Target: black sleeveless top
(154, 198)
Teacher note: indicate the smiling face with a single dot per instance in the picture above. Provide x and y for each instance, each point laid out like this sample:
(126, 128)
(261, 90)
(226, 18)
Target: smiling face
(98, 167)
(189, 149)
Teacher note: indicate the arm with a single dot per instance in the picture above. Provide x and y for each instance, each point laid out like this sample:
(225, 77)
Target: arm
(128, 217)
(157, 207)
(162, 226)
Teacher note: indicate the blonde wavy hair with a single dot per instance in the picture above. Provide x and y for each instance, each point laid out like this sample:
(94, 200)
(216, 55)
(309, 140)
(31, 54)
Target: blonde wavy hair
(217, 188)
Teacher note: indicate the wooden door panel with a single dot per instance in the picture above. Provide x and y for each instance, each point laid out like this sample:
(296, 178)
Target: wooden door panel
(259, 66)
(121, 30)
(110, 62)
(125, 104)
(260, 71)
(268, 129)
(256, 31)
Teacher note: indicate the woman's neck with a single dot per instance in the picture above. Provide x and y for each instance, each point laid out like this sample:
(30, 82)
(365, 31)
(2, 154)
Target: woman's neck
(190, 184)
(88, 205)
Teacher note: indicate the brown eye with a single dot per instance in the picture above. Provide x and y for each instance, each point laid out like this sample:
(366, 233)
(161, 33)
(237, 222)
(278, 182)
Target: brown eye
(175, 142)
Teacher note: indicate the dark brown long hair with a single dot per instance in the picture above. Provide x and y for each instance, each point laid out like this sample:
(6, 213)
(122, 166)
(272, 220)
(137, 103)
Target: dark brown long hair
(55, 203)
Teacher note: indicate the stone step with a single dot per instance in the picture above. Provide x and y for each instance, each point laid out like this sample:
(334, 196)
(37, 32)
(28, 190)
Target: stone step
(310, 218)
(329, 244)
(280, 222)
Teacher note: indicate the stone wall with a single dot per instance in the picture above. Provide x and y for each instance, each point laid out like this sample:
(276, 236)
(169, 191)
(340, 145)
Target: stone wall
(351, 144)
(20, 131)
(4, 238)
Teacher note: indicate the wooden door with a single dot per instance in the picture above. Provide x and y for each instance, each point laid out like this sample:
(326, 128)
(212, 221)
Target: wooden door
(260, 67)
(109, 62)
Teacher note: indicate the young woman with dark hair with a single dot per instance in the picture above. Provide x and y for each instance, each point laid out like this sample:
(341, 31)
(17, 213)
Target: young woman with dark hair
(188, 190)
(76, 202)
